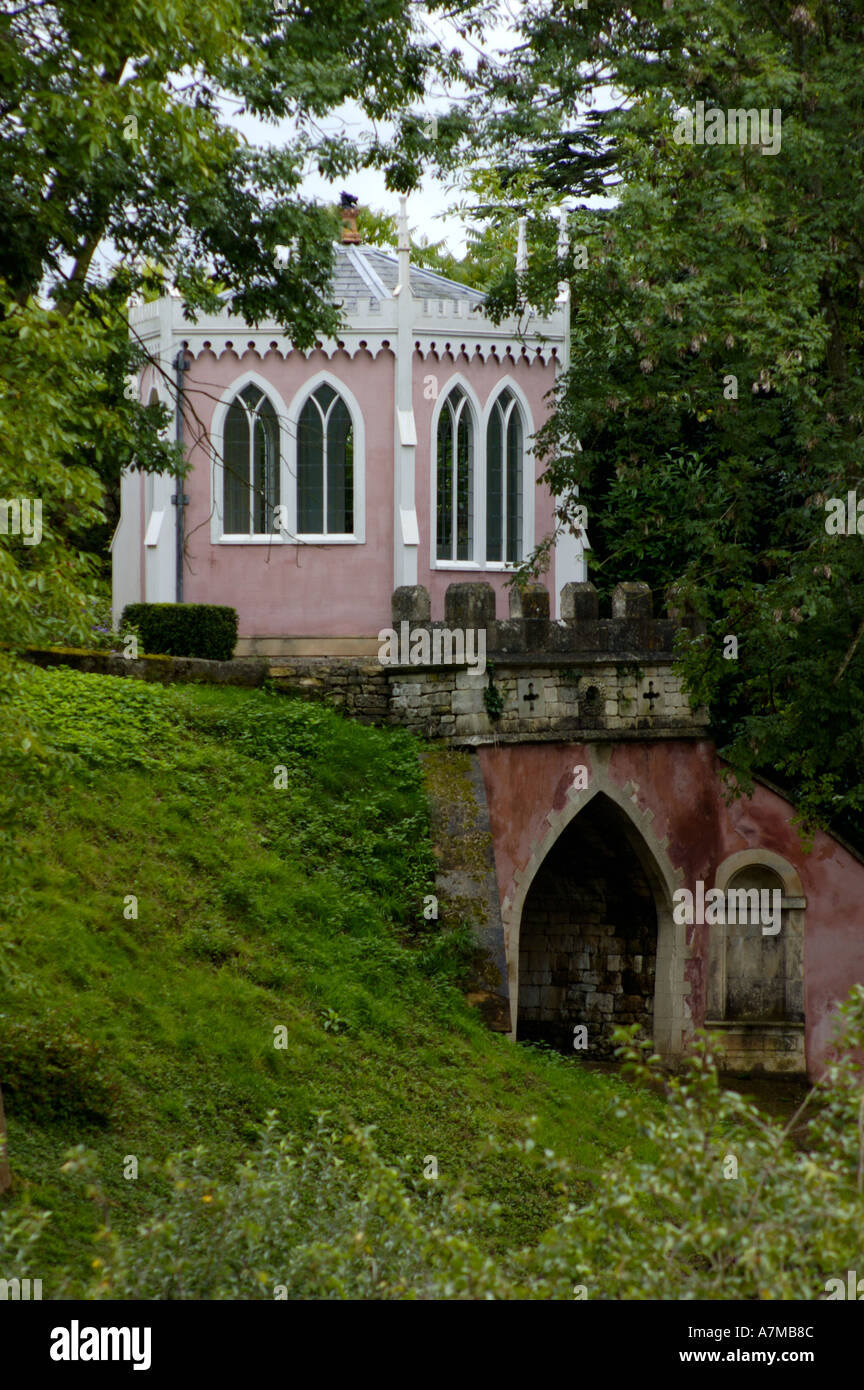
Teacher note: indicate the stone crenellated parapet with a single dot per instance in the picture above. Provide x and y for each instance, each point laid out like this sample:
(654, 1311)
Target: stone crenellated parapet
(475, 678)
(631, 631)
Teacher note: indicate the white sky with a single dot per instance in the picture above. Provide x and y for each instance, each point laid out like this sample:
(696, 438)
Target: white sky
(427, 204)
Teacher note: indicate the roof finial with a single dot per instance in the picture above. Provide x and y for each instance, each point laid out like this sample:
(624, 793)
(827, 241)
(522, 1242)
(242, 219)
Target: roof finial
(348, 212)
(563, 248)
(403, 246)
(522, 247)
(563, 237)
(404, 242)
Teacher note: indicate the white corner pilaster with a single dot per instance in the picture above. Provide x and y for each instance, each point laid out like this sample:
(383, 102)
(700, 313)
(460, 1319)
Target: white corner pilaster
(406, 534)
(570, 564)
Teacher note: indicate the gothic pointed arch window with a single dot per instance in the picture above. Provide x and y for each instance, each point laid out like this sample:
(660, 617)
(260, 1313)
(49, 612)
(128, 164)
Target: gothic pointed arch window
(454, 521)
(325, 465)
(504, 481)
(251, 464)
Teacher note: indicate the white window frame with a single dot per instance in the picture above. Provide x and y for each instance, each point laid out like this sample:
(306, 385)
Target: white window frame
(218, 536)
(478, 533)
(288, 416)
(529, 486)
(358, 536)
(480, 418)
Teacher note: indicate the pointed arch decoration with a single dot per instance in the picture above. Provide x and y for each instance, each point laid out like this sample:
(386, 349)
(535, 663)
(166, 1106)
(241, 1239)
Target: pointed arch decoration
(505, 464)
(672, 1011)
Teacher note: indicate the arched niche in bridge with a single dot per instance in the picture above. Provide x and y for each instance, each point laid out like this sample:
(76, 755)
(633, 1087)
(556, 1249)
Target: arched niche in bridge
(756, 977)
(591, 915)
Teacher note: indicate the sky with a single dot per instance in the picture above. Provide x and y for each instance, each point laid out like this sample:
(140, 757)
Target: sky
(427, 204)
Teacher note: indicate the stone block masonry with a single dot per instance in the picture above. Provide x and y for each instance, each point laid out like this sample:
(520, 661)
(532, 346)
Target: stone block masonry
(583, 678)
(588, 940)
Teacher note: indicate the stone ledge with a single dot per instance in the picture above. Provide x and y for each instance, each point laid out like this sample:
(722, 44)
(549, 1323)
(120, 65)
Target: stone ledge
(248, 671)
(584, 734)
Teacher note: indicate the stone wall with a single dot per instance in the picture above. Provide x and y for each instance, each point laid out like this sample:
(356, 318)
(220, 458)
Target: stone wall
(583, 677)
(541, 700)
(465, 881)
(588, 940)
(356, 688)
(163, 669)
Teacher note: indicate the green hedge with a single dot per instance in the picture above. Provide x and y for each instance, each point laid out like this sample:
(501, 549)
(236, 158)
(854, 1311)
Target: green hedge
(184, 629)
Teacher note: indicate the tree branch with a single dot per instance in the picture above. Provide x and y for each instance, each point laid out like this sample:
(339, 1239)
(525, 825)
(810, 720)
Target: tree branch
(851, 652)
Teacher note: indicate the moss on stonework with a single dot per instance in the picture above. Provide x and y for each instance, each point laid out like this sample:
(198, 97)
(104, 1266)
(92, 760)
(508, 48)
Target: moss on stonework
(463, 853)
(448, 780)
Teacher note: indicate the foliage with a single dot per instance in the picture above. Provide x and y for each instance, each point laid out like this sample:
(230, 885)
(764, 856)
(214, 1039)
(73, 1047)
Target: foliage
(716, 386)
(103, 721)
(184, 629)
(779, 1229)
(20, 1232)
(334, 1220)
(120, 174)
(493, 700)
(490, 251)
(257, 907)
(62, 427)
(113, 130)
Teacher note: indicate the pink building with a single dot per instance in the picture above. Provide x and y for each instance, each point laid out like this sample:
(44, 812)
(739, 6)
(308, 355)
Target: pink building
(401, 453)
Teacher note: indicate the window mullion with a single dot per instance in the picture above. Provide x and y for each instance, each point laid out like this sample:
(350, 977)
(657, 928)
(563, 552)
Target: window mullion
(251, 419)
(455, 417)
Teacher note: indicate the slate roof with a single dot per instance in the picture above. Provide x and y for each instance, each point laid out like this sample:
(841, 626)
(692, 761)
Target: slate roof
(365, 272)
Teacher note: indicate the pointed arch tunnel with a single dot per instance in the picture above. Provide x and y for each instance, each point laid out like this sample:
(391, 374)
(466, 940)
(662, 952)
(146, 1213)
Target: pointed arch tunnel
(590, 933)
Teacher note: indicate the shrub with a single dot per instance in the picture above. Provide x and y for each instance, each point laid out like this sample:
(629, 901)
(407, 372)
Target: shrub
(331, 1219)
(184, 629)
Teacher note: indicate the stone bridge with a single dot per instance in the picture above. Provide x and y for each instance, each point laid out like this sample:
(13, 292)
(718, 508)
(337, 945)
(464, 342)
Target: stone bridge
(575, 793)
(585, 794)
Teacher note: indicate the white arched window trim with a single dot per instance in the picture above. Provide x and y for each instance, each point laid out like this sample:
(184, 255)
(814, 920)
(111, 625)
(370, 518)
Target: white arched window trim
(295, 408)
(472, 404)
(288, 416)
(529, 489)
(480, 419)
(217, 436)
(793, 903)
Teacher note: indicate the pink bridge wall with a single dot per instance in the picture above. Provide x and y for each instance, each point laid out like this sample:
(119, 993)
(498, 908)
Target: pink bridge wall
(339, 590)
(680, 783)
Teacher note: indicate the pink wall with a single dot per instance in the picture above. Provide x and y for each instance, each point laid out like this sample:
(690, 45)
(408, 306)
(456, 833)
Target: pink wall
(335, 590)
(286, 590)
(680, 783)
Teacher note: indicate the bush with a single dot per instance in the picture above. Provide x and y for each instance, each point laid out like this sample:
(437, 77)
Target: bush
(330, 1219)
(184, 629)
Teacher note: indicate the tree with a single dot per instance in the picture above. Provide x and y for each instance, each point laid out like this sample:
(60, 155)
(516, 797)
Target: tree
(716, 387)
(113, 131)
(115, 158)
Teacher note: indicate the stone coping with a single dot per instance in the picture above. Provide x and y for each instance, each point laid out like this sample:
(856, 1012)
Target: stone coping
(755, 1025)
(582, 733)
(500, 660)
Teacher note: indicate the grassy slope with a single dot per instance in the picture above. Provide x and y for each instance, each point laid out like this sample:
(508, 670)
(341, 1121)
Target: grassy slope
(257, 907)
